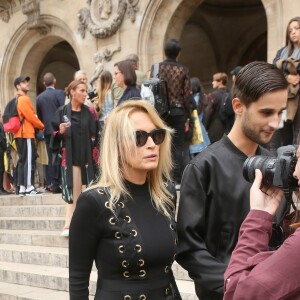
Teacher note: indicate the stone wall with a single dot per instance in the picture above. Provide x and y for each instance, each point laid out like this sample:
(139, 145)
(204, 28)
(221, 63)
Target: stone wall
(31, 28)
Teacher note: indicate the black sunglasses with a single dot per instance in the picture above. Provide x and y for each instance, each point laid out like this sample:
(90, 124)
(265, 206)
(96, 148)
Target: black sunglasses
(157, 135)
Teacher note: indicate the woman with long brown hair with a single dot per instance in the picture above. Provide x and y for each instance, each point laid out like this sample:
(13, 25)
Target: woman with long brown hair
(104, 103)
(125, 78)
(287, 60)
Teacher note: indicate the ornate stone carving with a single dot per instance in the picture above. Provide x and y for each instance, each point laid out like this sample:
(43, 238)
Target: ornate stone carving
(105, 9)
(98, 59)
(5, 10)
(104, 17)
(132, 9)
(34, 21)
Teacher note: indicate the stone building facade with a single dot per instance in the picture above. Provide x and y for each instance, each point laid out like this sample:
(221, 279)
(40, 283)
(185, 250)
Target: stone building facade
(63, 36)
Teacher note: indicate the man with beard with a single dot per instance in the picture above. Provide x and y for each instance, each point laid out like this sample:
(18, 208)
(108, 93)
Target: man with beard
(25, 137)
(214, 197)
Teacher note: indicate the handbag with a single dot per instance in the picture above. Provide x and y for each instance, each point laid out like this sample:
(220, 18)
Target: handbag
(39, 135)
(197, 131)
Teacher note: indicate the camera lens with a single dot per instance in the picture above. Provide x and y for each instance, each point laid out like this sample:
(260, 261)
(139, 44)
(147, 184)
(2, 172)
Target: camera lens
(265, 164)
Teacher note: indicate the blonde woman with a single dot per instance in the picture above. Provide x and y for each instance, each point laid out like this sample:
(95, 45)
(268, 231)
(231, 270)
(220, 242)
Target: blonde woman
(126, 222)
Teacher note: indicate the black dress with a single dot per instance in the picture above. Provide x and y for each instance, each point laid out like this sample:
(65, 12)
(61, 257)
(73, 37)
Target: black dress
(75, 147)
(133, 249)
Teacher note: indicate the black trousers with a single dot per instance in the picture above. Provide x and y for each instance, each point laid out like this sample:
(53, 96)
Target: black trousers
(53, 172)
(178, 124)
(26, 163)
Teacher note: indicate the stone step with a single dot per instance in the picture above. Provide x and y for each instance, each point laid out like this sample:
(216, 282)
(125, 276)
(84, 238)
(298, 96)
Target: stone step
(32, 223)
(9, 291)
(180, 273)
(33, 211)
(37, 255)
(34, 238)
(54, 278)
(48, 277)
(40, 199)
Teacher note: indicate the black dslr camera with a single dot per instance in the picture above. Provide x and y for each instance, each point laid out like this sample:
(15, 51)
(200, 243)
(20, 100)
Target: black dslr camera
(277, 171)
(92, 94)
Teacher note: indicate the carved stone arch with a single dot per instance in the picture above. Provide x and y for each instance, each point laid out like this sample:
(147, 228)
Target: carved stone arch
(163, 19)
(26, 51)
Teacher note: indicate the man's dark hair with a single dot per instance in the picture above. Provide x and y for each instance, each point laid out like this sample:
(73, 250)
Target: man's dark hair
(48, 79)
(256, 79)
(195, 85)
(172, 48)
(127, 69)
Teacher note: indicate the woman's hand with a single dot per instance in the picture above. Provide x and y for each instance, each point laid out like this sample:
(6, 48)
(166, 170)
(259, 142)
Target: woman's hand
(267, 200)
(293, 79)
(62, 128)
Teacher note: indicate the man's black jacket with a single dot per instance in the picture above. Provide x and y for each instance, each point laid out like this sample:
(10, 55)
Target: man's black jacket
(214, 201)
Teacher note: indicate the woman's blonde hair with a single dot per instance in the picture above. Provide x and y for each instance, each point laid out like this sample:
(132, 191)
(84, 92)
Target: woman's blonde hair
(105, 82)
(116, 145)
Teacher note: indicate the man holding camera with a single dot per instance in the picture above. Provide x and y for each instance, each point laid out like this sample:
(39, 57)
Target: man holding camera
(214, 197)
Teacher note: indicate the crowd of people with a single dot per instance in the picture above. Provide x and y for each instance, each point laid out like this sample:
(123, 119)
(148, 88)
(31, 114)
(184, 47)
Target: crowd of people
(120, 195)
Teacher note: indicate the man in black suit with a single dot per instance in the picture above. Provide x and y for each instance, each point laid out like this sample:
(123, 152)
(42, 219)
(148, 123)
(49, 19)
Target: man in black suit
(47, 104)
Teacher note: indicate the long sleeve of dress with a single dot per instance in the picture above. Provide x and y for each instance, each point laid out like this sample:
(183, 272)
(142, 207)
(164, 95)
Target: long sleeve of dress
(256, 273)
(85, 232)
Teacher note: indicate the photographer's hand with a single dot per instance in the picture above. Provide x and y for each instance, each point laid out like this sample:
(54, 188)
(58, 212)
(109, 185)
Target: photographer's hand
(267, 200)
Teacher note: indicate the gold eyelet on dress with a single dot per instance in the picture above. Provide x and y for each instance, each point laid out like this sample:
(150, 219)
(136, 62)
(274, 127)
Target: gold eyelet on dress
(141, 262)
(127, 219)
(112, 221)
(121, 248)
(138, 248)
(167, 269)
(167, 291)
(125, 264)
(121, 204)
(176, 241)
(133, 232)
(127, 297)
(142, 273)
(126, 274)
(172, 227)
(118, 235)
(106, 204)
(100, 191)
(142, 297)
